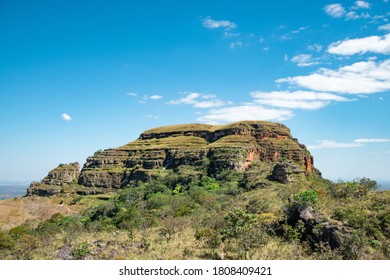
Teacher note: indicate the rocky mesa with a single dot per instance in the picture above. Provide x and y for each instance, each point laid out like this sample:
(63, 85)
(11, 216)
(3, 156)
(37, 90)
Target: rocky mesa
(206, 149)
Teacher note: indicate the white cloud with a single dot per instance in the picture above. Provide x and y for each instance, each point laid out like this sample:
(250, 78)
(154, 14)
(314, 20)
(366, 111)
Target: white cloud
(249, 112)
(338, 11)
(359, 78)
(214, 24)
(285, 58)
(144, 99)
(354, 15)
(131, 94)
(335, 10)
(156, 97)
(362, 5)
(206, 101)
(208, 96)
(315, 47)
(228, 34)
(66, 117)
(329, 144)
(234, 45)
(355, 144)
(376, 44)
(291, 34)
(302, 28)
(307, 100)
(151, 116)
(189, 99)
(385, 27)
(147, 98)
(303, 60)
(209, 104)
(372, 140)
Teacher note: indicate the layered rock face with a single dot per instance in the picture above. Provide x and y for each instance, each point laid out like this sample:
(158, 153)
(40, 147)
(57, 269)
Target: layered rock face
(234, 146)
(53, 182)
(207, 149)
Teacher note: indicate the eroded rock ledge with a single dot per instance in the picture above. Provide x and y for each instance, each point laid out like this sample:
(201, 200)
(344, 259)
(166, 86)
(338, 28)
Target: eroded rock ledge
(57, 178)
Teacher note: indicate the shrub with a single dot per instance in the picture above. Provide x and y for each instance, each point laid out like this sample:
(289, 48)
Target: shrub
(25, 245)
(385, 224)
(109, 209)
(353, 215)
(168, 233)
(253, 239)
(155, 186)
(238, 222)
(158, 200)
(183, 210)
(256, 206)
(128, 218)
(209, 184)
(294, 233)
(6, 241)
(51, 226)
(367, 183)
(131, 195)
(353, 247)
(19, 231)
(76, 199)
(178, 189)
(81, 251)
(230, 177)
(209, 238)
(306, 198)
(355, 189)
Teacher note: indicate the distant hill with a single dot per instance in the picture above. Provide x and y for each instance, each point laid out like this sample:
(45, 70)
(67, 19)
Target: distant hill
(384, 185)
(9, 189)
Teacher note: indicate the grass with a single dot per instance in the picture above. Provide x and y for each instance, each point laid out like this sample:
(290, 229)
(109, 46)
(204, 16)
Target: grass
(242, 141)
(186, 142)
(124, 226)
(33, 209)
(213, 128)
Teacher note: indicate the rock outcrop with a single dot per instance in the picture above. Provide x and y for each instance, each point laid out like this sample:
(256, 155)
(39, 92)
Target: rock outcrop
(206, 148)
(58, 177)
(233, 146)
(318, 229)
(284, 172)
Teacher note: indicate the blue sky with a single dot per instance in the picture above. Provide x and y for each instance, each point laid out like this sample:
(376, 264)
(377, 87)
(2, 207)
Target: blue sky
(78, 76)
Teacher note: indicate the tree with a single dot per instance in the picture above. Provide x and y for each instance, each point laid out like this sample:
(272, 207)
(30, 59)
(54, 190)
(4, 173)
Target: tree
(238, 222)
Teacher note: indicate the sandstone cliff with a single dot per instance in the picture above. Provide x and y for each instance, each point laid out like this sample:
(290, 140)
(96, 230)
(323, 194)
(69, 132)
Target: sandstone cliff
(206, 148)
(53, 183)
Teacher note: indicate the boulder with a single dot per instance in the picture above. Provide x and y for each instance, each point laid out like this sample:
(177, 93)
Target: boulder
(318, 229)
